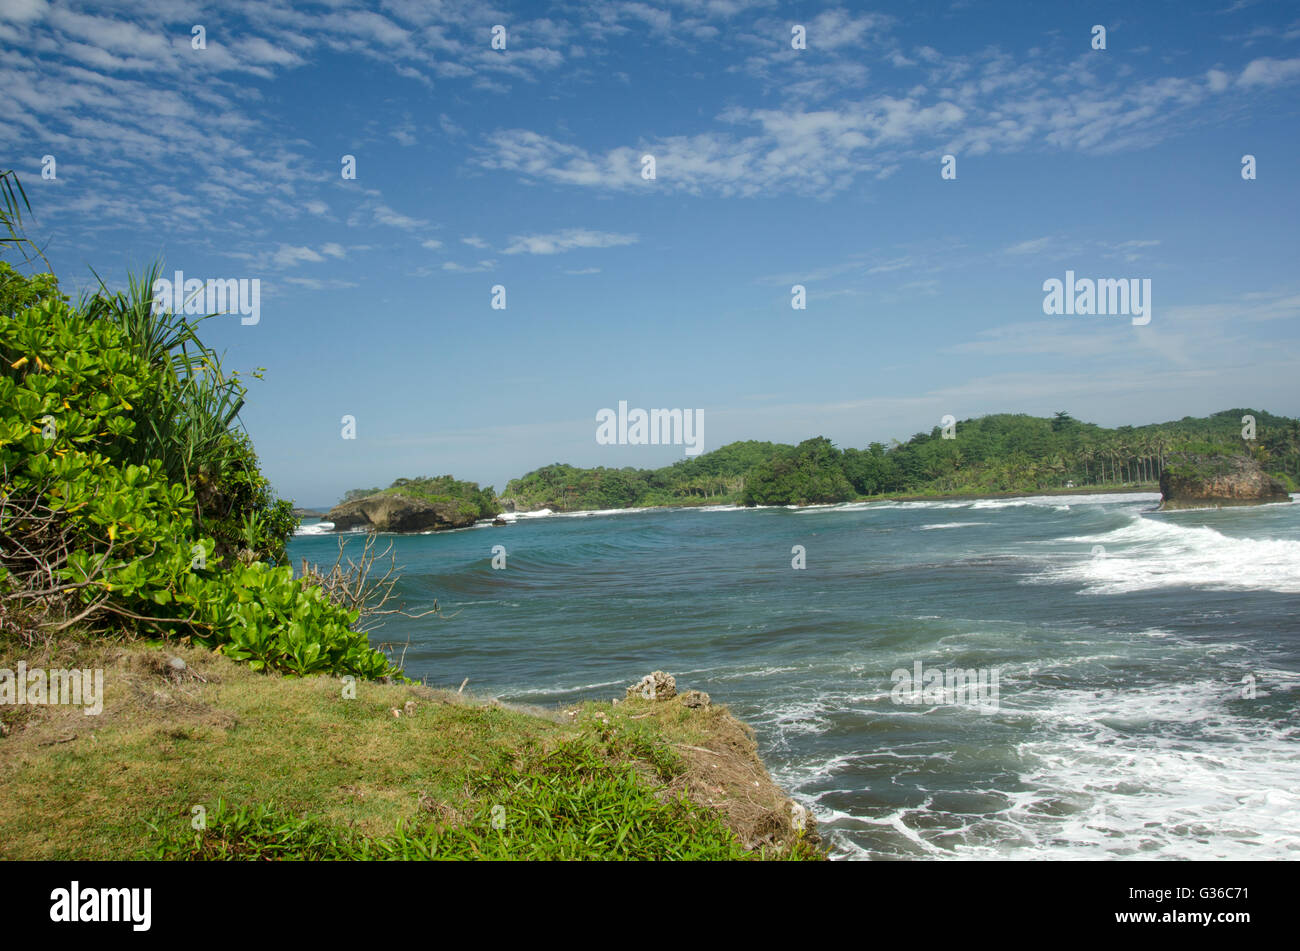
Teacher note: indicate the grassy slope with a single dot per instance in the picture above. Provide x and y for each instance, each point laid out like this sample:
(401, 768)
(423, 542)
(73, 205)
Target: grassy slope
(83, 787)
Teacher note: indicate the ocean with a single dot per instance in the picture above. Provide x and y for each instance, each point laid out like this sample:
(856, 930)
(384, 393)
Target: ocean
(1138, 672)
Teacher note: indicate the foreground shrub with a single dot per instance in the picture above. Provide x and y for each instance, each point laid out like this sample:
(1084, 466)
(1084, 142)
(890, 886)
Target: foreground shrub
(186, 423)
(89, 535)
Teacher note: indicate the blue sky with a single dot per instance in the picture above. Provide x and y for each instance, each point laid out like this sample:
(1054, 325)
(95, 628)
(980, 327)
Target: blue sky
(774, 167)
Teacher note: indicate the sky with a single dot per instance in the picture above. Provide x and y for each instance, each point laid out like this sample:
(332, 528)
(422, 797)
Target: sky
(774, 166)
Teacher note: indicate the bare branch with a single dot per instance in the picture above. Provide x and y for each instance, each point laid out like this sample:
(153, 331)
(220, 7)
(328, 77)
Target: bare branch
(354, 583)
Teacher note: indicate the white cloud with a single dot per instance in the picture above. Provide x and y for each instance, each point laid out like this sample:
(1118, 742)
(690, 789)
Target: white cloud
(1032, 246)
(387, 216)
(567, 240)
(817, 152)
(469, 269)
(1269, 72)
(316, 284)
(288, 255)
(23, 11)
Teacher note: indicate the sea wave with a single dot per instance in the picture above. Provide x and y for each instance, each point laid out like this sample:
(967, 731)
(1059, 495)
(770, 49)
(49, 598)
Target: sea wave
(584, 513)
(1059, 503)
(1225, 790)
(1149, 553)
(1056, 501)
(1183, 770)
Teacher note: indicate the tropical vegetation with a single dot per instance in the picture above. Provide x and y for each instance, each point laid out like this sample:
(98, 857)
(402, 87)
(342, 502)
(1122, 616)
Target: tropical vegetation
(1001, 453)
(472, 501)
(130, 500)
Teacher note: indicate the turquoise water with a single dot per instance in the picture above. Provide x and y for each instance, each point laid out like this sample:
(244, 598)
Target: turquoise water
(1123, 642)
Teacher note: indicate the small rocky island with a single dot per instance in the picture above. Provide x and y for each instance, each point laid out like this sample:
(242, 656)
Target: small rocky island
(422, 504)
(1204, 481)
(400, 513)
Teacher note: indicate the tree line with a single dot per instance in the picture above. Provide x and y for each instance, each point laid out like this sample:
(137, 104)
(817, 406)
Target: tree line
(996, 453)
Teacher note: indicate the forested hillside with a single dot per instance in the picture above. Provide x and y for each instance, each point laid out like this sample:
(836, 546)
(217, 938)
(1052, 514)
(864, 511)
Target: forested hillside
(1000, 453)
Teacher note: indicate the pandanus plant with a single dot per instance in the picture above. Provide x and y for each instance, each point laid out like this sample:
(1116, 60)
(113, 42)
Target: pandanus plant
(185, 422)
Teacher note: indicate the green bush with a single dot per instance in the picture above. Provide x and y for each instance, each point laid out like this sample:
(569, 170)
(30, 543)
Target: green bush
(241, 511)
(188, 423)
(811, 473)
(121, 536)
(18, 292)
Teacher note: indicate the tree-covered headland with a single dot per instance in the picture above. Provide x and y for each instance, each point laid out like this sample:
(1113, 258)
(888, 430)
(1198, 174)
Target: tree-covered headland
(1003, 453)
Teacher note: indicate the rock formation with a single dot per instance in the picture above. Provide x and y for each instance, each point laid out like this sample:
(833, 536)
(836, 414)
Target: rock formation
(399, 513)
(1197, 481)
(655, 686)
(695, 699)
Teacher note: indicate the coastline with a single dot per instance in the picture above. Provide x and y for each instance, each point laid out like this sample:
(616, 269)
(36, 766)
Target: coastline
(945, 497)
(1078, 490)
(312, 529)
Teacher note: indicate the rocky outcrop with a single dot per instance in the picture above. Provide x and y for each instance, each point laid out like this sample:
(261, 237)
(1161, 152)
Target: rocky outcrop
(399, 513)
(719, 766)
(655, 686)
(695, 699)
(1197, 481)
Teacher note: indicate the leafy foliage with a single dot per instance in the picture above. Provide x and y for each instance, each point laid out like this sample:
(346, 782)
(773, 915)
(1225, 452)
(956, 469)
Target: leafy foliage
(187, 422)
(999, 453)
(111, 515)
(812, 472)
(68, 387)
(716, 477)
(474, 502)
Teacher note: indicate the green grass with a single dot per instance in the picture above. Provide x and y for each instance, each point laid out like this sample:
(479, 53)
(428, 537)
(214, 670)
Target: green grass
(572, 803)
(289, 768)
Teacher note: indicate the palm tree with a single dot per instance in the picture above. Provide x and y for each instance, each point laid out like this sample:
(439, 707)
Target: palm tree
(1086, 453)
(1055, 466)
(1163, 446)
